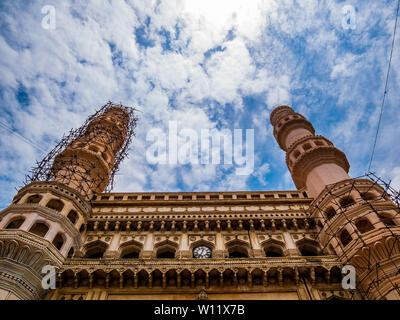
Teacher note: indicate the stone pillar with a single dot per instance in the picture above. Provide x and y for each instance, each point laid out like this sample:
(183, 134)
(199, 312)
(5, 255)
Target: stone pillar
(290, 244)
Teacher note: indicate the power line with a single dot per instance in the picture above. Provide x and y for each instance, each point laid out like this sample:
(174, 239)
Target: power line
(386, 83)
(21, 137)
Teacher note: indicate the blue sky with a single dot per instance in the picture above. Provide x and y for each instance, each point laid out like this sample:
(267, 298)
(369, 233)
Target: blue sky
(221, 64)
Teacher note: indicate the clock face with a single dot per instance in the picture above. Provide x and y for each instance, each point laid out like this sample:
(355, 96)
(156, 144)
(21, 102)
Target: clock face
(202, 252)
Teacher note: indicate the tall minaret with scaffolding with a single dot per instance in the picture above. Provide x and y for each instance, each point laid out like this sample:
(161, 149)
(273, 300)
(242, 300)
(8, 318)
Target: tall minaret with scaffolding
(46, 221)
(358, 220)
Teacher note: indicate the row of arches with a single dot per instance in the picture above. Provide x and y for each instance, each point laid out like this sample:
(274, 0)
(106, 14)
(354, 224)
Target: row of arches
(169, 249)
(346, 201)
(41, 229)
(217, 277)
(57, 205)
(364, 225)
(227, 224)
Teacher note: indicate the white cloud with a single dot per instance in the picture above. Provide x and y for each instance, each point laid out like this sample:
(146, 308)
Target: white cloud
(279, 52)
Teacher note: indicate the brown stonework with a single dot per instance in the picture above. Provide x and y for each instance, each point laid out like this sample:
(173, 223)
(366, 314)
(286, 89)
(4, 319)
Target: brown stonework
(256, 244)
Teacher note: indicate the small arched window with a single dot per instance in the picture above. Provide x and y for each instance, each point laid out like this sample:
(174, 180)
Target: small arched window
(363, 225)
(346, 201)
(15, 223)
(345, 237)
(238, 252)
(330, 213)
(34, 199)
(166, 253)
(39, 228)
(58, 241)
(73, 216)
(367, 196)
(96, 252)
(309, 248)
(55, 204)
(70, 252)
(273, 251)
(130, 254)
(386, 219)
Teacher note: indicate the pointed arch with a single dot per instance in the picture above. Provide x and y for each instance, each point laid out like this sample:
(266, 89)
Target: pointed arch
(273, 248)
(165, 249)
(238, 249)
(130, 250)
(95, 249)
(15, 222)
(308, 247)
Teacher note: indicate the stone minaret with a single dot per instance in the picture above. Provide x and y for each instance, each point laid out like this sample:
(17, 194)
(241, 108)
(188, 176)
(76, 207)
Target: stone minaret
(85, 165)
(46, 220)
(359, 223)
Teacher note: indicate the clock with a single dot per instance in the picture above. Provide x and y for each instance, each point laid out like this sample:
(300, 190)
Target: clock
(202, 252)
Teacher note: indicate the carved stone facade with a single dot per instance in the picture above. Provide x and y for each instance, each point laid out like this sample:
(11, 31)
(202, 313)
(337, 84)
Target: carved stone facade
(253, 245)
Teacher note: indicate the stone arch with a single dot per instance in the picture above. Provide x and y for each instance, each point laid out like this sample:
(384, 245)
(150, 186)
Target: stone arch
(33, 199)
(95, 249)
(55, 204)
(83, 278)
(34, 259)
(165, 249)
(386, 218)
(143, 278)
(308, 247)
(380, 251)
(40, 228)
(128, 276)
(71, 252)
(242, 276)
(330, 212)
(157, 278)
(99, 277)
(393, 243)
(114, 278)
(200, 277)
(15, 222)
(82, 228)
(69, 277)
(11, 249)
(335, 274)
(172, 276)
(22, 254)
(186, 277)
(238, 249)
(273, 248)
(345, 237)
(346, 201)
(214, 277)
(364, 225)
(257, 276)
(368, 196)
(73, 216)
(59, 240)
(289, 275)
(130, 250)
